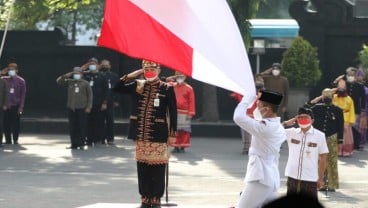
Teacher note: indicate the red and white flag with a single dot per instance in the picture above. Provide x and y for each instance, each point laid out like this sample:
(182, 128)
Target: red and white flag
(199, 38)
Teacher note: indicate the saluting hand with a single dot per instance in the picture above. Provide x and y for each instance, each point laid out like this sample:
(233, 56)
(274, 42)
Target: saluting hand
(171, 140)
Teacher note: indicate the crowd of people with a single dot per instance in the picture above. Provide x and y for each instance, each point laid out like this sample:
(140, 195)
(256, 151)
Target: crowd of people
(160, 116)
(329, 126)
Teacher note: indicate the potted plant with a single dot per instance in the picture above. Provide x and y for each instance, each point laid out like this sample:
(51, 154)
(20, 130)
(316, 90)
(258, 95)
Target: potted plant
(300, 65)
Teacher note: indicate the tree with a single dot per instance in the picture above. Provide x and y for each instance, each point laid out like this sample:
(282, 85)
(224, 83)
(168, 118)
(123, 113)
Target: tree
(274, 9)
(69, 14)
(243, 10)
(300, 64)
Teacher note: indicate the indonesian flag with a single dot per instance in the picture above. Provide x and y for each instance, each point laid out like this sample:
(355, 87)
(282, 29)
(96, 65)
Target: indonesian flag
(199, 38)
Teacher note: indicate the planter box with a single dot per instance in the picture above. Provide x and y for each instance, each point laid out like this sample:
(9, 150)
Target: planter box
(297, 98)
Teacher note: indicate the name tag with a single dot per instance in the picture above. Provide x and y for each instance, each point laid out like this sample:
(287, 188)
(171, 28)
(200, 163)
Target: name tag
(11, 90)
(156, 102)
(109, 85)
(295, 141)
(91, 83)
(76, 90)
(311, 144)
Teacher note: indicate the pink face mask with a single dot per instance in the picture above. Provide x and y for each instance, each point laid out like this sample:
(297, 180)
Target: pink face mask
(304, 122)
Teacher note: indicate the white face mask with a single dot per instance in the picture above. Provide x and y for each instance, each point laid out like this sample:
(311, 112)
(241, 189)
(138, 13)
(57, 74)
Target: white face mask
(76, 76)
(275, 72)
(179, 80)
(350, 78)
(11, 73)
(262, 111)
(92, 67)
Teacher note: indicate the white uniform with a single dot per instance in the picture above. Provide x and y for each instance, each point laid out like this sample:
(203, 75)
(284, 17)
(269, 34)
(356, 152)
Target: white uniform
(304, 151)
(262, 179)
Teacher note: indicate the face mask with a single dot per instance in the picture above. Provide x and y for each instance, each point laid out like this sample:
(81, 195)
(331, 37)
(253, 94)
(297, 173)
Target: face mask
(11, 73)
(275, 72)
(340, 92)
(263, 111)
(350, 78)
(104, 68)
(304, 122)
(179, 80)
(327, 100)
(92, 67)
(150, 75)
(76, 76)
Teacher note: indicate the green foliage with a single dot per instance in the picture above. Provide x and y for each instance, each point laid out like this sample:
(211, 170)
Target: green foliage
(274, 9)
(27, 14)
(243, 10)
(300, 64)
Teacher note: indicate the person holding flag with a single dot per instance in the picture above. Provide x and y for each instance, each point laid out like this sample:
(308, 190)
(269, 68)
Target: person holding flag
(156, 119)
(262, 179)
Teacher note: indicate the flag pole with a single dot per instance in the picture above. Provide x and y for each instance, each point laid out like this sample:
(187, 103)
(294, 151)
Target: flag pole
(167, 203)
(6, 28)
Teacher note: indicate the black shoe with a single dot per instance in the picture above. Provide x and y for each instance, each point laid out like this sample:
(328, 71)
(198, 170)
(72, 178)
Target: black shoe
(182, 150)
(72, 147)
(156, 206)
(175, 150)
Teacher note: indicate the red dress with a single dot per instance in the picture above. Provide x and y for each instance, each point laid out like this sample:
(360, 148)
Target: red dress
(185, 103)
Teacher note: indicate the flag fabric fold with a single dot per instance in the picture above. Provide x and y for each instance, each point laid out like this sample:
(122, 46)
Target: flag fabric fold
(199, 38)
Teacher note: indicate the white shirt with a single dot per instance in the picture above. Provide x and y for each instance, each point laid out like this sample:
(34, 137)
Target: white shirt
(304, 151)
(267, 137)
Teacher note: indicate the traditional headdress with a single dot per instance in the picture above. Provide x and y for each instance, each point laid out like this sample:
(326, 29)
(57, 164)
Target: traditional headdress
(150, 64)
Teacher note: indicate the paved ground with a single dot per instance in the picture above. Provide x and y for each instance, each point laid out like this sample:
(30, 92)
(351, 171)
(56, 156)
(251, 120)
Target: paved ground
(41, 173)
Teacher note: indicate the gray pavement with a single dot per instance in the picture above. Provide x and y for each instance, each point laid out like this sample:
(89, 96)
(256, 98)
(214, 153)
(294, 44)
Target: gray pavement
(41, 173)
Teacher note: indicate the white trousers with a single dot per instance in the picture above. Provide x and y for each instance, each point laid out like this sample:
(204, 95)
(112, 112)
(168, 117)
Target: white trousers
(255, 195)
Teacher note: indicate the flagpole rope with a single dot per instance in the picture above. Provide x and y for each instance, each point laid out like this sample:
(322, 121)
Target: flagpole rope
(6, 28)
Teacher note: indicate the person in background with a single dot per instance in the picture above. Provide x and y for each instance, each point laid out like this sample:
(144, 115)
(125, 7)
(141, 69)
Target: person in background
(98, 83)
(342, 100)
(356, 91)
(273, 80)
(17, 88)
(79, 104)
(329, 119)
(262, 179)
(3, 101)
(360, 78)
(185, 103)
(156, 122)
(308, 151)
(112, 102)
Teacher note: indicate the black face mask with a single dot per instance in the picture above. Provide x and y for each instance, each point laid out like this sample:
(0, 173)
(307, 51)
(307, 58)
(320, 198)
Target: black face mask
(104, 69)
(327, 100)
(340, 92)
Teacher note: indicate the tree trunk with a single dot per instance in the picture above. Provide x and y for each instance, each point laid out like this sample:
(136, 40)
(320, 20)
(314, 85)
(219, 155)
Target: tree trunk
(209, 103)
